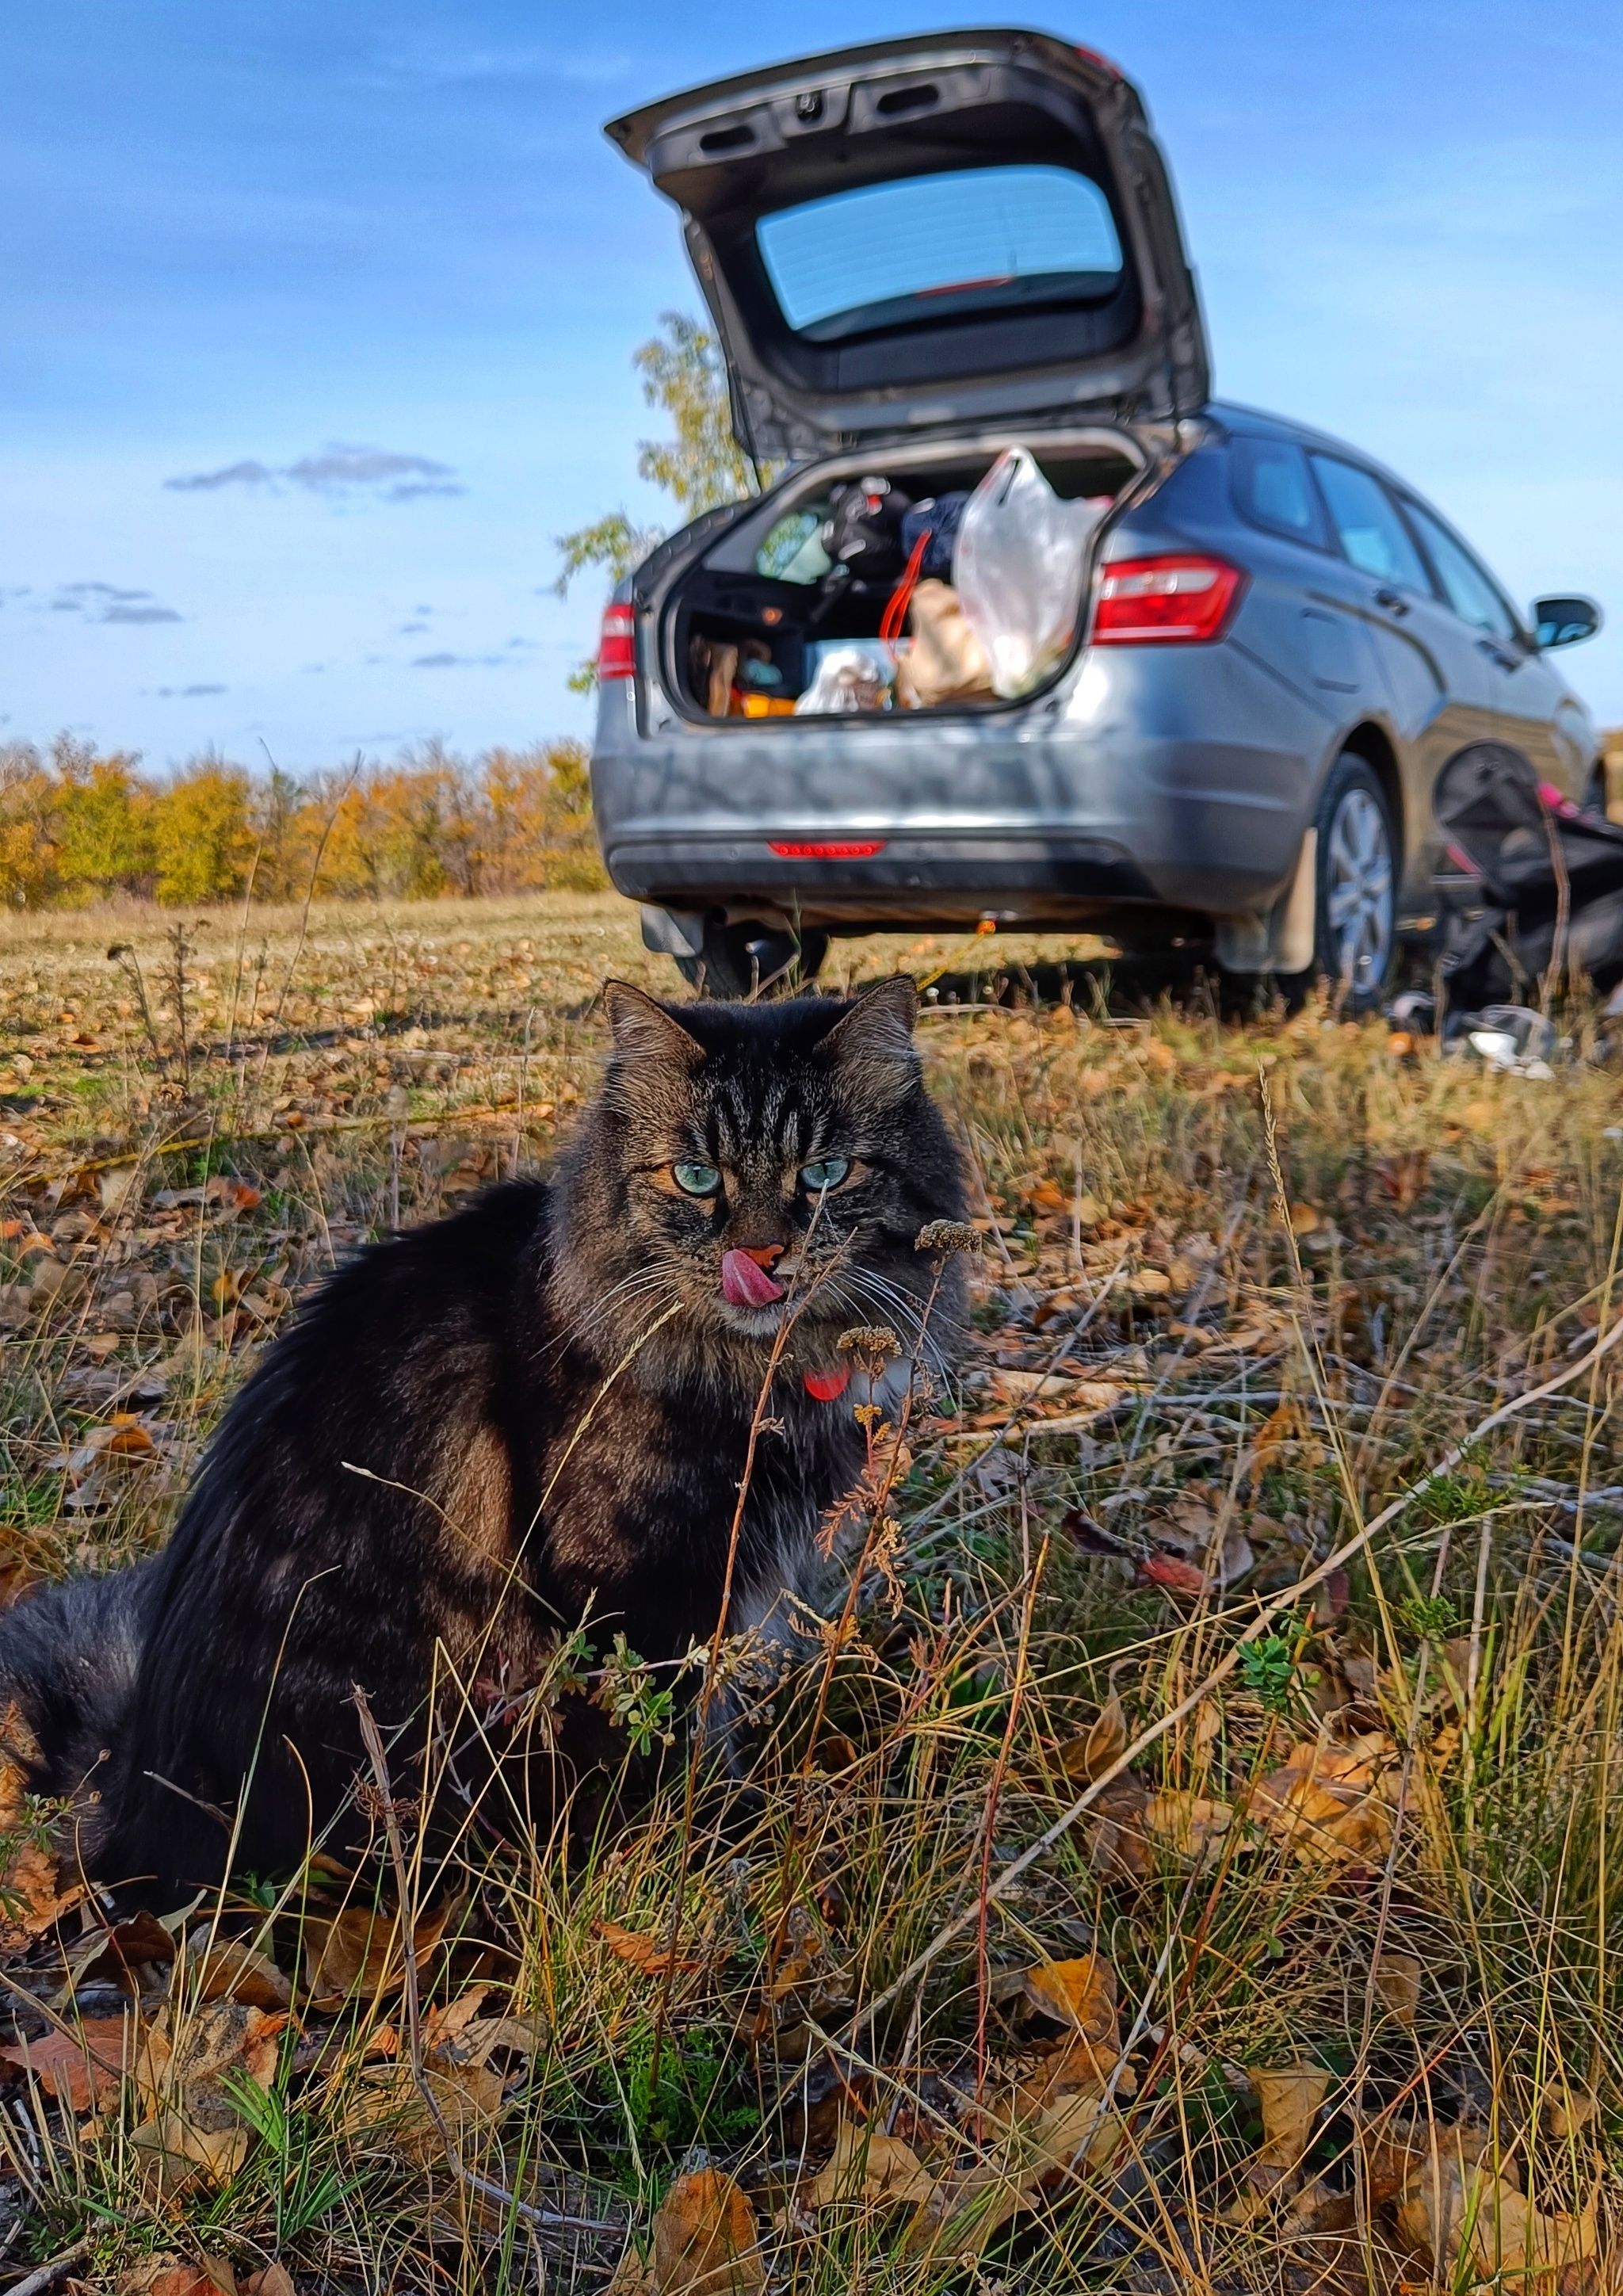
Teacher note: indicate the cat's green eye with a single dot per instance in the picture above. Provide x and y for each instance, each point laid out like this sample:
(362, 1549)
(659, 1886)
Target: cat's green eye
(696, 1179)
(827, 1174)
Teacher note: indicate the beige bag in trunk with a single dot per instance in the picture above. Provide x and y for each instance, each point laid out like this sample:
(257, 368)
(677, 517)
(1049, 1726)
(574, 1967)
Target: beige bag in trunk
(944, 662)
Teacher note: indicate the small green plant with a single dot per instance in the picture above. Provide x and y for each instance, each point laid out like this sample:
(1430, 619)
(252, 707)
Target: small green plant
(304, 2189)
(680, 2101)
(1270, 1670)
(1432, 1617)
(629, 1694)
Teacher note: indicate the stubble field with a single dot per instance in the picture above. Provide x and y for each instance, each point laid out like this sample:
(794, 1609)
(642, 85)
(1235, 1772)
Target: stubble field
(1184, 1856)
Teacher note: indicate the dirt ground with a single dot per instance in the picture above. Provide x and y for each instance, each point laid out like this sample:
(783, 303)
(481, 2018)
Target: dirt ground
(1184, 1859)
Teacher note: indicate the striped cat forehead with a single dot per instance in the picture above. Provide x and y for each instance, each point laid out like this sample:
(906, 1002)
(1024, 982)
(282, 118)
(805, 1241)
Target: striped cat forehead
(762, 1078)
(764, 1115)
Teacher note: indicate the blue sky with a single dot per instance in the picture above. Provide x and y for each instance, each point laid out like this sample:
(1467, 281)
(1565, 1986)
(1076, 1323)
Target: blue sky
(383, 256)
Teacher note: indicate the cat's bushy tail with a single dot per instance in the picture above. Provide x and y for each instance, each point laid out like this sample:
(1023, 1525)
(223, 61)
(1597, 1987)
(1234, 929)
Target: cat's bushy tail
(69, 1659)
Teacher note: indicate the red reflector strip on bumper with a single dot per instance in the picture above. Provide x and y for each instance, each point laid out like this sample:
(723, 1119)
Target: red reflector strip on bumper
(827, 850)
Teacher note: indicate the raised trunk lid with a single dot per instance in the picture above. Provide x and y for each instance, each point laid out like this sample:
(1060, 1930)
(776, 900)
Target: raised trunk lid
(902, 238)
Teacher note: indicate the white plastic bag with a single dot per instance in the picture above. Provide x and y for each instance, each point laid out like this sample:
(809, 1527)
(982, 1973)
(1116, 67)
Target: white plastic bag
(847, 678)
(1017, 570)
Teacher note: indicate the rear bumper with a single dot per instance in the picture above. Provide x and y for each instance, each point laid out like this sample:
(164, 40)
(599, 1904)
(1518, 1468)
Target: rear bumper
(912, 877)
(1147, 782)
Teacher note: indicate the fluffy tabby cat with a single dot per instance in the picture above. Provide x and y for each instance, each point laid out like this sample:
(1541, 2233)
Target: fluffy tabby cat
(430, 1456)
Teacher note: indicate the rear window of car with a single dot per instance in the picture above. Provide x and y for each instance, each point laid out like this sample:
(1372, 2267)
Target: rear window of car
(930, 247)
(1468, 590)
(1273, 488)
(1366, 519)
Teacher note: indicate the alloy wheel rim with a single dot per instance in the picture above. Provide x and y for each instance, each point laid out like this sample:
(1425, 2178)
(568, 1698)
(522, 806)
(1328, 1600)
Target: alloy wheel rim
(1358, 890)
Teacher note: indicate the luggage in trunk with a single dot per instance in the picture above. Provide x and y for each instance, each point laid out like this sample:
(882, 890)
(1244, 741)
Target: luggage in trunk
(841, 596)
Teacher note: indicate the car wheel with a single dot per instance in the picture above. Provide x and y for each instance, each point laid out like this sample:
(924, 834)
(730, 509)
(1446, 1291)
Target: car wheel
(1356, 923)
(741, 961)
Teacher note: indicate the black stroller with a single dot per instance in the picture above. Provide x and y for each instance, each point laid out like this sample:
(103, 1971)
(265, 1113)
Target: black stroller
(1527, 881)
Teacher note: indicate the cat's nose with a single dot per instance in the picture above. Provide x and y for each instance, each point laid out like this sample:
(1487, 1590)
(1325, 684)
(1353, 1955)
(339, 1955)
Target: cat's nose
(763, 1254)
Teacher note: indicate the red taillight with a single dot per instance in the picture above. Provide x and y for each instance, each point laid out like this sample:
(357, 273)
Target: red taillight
(617, 647)
(1173, 601)
(828, 849)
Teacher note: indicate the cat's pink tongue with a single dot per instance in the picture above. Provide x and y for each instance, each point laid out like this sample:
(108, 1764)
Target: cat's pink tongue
(745, 1283)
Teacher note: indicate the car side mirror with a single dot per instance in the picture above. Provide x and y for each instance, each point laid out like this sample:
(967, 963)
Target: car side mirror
(1564, 621)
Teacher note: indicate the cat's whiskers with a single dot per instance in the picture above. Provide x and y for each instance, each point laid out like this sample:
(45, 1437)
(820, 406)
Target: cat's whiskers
(632, 1292)
(869, 1290)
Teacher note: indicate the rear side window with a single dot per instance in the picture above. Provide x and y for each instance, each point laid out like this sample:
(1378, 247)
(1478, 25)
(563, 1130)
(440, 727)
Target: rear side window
(1274, 488)
(1467, 587)
(1366, 519)
(930, 247)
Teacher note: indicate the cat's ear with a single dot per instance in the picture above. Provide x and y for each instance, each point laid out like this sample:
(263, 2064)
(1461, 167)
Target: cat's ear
(871, 1044)
(644, 1035)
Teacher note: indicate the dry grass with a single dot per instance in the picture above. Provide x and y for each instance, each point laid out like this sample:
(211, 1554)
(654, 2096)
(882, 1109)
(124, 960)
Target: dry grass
(1317, 1988)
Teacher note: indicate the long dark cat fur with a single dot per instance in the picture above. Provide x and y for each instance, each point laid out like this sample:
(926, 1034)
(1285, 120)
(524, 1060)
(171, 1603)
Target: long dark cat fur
(504, 1494)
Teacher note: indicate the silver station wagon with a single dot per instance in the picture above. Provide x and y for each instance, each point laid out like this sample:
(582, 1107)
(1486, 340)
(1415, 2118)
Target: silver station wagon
(1026, 629)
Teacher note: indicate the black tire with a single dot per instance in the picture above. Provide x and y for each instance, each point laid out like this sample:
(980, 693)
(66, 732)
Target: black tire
(1355, 911)
(747, 960)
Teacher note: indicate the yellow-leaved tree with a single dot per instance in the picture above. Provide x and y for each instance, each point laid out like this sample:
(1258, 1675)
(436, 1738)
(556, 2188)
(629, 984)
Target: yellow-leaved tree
(103, 821)
(701, 467)
(202, 841)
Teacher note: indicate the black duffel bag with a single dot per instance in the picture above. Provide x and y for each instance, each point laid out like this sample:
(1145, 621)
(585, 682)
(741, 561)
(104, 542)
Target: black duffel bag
(862, 531)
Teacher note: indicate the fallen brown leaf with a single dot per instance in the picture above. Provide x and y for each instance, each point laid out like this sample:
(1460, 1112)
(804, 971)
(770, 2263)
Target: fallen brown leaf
(229, 1969)
(1171, 1573)
(388, 2105)
(1398, 1984)
(1080, 1994)
(1038, 2145)
(1286, 1425)
(1085, 1758)
(174, 2276)
(1118, 1847)
(359, 1951)
(29, 1898)
(1190, 1823)
(1568, 2113)
(1476, 2226)
(644, 1952)
(1291, 2097)
(176, 2152)
(78, 2068)
(119, 1952)
(273, 2280)
(869, 2167)
(706, 2239)
(1327, 1802)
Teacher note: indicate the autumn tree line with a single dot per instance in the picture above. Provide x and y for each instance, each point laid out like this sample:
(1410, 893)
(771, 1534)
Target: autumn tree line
(77, 825)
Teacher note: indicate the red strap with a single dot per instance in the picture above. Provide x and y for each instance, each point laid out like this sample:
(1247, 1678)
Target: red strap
(901, 597)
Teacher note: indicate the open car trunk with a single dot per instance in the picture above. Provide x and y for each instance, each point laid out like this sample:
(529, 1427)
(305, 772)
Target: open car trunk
(930, 235)
(839, 594)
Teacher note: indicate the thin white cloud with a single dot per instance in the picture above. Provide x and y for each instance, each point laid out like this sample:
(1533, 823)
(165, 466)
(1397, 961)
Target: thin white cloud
(234, 474)
(337, 469)
(105, 602)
